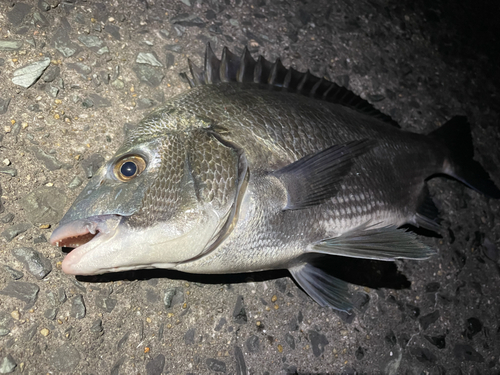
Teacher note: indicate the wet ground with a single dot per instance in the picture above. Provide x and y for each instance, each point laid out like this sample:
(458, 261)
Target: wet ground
(99, 67)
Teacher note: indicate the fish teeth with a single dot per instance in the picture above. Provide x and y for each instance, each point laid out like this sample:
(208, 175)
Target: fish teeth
(91, 227)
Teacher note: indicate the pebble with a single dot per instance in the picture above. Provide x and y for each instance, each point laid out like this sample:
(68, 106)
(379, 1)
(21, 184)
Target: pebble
(155, 366)
(10, 45)
(18, 12)
(26, 292)
(318, 342)
(173, 296)
(96, 326)
(189, 336)
(107, 304)
(92, 164)
(472, 327)
(118, 84)
(437, 341)
(144, 103)
(34, 262)
(65, 358)
(44, 332)
(113, 30)
(12, 172)
(50, 161)
(78, 309)
(116, 366)
(63, 44)
(423, 355)
(215, 365)
(465, 352)
(99, 101)
(4, 105)
(173, 48)
(91, 41)
(15, 314)
(222, 322)
(148, 75)
(188, 20)
(30, 333)
(427, 320)
(413, 311)
(51, 313)
(241, 367)
(490, 250)
(7, 364)
(29, 74)
(289, 339)
(239, 312)
(12, 232)
(82, 69)
(15, 274)
(44, 205)
(149, 58)
(123, 340)
(253, 344)
(52, 91)
(7, 218)
(360, 353)
(41, 238)
(39, 20)
(51, 73)
(170, 62)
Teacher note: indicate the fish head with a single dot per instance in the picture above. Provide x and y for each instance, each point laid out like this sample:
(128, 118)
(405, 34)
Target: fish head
(162, 199)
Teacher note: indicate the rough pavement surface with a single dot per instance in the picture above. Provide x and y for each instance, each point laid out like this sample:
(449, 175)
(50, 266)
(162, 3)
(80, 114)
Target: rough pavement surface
(74, 75)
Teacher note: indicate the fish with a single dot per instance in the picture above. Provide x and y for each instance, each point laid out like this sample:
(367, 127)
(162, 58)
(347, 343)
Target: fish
(260, 167)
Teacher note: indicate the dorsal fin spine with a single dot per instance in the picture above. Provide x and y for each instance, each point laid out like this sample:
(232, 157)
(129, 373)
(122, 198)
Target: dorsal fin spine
(212, 66)
(245, 69)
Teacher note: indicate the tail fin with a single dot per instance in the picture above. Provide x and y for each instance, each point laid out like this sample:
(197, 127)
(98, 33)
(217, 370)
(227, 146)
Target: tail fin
(456, 136)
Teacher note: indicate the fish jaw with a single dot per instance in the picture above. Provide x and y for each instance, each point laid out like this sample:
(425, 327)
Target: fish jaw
(85, 236)
(108, 243)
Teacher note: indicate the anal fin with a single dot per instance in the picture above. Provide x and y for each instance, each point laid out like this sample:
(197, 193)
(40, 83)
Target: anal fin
(322, 287)
(386, 243)
(314, 178)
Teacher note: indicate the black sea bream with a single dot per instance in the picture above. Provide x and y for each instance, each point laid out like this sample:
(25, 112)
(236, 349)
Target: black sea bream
(260, 167)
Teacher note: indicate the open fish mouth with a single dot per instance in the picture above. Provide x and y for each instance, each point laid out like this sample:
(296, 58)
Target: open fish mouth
(79, 232)
(82, 236)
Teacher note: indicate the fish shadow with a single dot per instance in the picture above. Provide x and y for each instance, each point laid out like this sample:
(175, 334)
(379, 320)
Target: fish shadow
(370, 273)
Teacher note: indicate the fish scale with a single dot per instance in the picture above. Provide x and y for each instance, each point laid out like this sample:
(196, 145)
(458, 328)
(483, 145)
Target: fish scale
(261, 167)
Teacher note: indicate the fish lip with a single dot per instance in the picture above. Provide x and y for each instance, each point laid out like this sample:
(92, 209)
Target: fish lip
(94, 225)
(103, 226)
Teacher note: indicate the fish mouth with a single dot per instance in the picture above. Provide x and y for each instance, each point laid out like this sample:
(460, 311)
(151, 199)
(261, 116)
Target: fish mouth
(81, 236)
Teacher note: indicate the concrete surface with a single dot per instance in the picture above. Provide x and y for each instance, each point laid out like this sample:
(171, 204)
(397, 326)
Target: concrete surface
(420, 63)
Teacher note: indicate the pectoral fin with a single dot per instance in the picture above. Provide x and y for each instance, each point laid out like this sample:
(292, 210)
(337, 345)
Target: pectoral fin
(387, 243)
(315, 178)
(322, 287)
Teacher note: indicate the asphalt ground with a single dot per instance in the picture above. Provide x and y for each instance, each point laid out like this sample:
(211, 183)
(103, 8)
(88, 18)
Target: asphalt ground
(103, 65)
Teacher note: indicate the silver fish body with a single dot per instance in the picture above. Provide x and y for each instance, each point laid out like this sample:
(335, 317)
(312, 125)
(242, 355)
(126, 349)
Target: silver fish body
(239, 175)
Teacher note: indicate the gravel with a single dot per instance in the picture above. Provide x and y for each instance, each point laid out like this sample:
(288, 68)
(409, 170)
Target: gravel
(76, 74)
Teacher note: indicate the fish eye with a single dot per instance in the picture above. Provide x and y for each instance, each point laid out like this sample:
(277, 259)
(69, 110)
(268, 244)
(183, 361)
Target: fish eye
(129, 167)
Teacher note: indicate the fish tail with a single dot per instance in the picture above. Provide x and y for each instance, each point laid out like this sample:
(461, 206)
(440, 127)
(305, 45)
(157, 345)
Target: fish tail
(456, 136)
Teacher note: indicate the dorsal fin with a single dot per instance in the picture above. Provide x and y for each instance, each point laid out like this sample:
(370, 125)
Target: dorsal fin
(229, 66)
(245, 69)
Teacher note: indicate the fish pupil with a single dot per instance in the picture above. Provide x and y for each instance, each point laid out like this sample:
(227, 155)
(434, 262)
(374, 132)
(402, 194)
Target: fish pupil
(128, 169)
